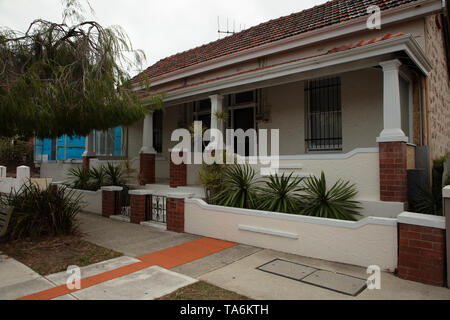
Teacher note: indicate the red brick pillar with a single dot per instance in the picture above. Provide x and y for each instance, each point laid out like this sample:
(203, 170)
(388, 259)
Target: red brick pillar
(178, 172)
(393, 172)
(147, 168)
(140, 201)
(422, 248)
(111, 201)
(175, 211)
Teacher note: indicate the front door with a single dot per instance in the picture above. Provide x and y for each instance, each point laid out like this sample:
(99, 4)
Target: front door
(244, 119)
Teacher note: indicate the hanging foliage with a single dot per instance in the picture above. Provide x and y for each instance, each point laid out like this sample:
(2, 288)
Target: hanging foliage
(68, 78)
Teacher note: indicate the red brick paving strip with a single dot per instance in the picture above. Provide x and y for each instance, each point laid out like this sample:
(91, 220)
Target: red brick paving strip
(167, 258)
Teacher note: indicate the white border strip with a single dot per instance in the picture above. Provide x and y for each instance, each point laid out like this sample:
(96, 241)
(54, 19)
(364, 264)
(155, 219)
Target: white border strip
(446, 192)
(422, 220)
(269, 232)
(298, 218)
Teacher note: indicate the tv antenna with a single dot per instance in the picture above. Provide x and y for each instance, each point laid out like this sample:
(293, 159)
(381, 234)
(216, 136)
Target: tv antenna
(228, 31)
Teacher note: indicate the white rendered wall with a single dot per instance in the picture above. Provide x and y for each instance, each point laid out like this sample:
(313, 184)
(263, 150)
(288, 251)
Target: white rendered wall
(372, 241)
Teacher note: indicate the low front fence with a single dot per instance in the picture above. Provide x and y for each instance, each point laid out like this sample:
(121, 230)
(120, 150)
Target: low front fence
(371, 241)
(158, 209)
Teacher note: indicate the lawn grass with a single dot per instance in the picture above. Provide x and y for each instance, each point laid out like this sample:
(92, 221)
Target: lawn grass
(55, 254)
(203, 291)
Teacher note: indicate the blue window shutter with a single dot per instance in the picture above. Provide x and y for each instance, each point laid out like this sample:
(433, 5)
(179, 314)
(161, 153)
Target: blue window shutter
(118, 142)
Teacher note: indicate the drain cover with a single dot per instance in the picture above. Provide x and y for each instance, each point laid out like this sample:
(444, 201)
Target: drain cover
(336, 282)
(320, 278)
(287, 269)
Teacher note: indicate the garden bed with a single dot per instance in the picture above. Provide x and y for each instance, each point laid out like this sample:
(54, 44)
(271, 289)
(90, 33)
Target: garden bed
(54, 254)
(203, 291)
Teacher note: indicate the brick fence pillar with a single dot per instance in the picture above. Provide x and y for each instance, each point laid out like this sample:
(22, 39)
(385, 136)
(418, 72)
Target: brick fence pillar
(175, 211)
(422, 248)
(446, 195)
(393, 172)
(111, 201)
(147, 168)
(178, 172)
(140, 201)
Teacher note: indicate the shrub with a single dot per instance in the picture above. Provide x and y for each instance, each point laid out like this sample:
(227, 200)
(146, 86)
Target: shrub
(81, 179)
(281, 194)
(211, 178)
(238, 188)
(335, 203)
(16, 152)
(95, 178)
(42, 212)
(115, 176)
(430, 201)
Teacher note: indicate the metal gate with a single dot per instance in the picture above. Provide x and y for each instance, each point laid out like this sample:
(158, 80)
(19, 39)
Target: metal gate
(155, 210)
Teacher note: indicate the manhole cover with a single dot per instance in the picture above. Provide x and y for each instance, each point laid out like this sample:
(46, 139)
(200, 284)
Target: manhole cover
(336, 282)
(287, 269)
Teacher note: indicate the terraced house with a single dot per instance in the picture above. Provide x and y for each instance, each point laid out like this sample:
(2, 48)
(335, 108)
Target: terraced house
(359, 104)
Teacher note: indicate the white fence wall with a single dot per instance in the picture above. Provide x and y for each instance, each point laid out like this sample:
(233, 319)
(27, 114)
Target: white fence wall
(14, 184)
(91, 201)
(371, 241)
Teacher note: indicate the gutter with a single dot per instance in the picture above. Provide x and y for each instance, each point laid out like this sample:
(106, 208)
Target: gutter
(404, 43)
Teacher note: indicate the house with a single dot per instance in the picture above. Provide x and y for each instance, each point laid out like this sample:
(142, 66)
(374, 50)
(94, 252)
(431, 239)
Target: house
(359, 104)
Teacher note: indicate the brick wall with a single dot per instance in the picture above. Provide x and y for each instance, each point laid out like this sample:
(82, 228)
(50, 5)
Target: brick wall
(422, 254)
(138, 207)
(147, 169)
(110, 204)
(178, 174)
(393, 173)
(175, 215)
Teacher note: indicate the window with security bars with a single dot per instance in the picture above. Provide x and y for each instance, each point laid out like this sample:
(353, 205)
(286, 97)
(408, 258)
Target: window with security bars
(324, 115)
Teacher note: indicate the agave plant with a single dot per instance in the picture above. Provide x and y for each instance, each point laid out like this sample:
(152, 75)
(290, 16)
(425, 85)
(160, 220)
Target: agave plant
(98, 176)
(239, 188)
(115, 176)
(80, 179)
(281, 194)
(335, 203)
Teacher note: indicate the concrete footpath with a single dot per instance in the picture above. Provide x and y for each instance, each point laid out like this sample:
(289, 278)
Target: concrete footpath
(158, 262)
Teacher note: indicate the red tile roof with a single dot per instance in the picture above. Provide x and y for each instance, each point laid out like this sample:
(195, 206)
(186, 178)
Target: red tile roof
(320, 16)
(350, 46)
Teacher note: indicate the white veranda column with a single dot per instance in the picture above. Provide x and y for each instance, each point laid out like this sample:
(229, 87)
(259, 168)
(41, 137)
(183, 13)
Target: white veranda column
(392, 116)
(147, 135)
(216, 107)
(89, 152)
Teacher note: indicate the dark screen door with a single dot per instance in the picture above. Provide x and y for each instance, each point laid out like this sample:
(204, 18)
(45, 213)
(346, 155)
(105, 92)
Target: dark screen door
(244, 119)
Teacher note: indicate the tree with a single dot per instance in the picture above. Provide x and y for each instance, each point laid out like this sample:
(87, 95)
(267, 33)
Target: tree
(68, 78)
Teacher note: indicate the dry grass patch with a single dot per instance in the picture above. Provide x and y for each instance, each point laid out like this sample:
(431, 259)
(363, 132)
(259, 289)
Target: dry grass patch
(203, 291)
(54, 254)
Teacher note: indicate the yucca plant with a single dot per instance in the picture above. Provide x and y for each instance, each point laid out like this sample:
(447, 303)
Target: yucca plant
(42, 212)
(335, 203)
(238, 188)
(98, 176)
(115, 176)
(281, 194)
(80, 178)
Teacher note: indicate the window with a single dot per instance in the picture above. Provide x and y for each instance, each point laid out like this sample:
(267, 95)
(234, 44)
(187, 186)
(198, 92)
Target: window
(202, 112)
(241, 115)
(158, 131)
(324, 115)
(110, 143)
(63, 148)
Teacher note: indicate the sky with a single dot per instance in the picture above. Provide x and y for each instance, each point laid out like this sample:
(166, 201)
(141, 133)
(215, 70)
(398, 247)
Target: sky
(159, 27)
